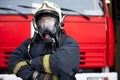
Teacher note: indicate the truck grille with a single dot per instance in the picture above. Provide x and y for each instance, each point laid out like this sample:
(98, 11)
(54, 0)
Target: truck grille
(92, 59)
(4, 56)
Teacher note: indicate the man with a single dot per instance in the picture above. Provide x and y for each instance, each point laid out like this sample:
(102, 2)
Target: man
(50, 54)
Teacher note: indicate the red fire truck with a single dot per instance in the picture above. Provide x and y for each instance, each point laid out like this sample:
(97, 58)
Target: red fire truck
(87, 21)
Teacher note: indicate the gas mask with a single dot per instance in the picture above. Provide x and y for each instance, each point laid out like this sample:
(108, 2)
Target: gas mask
(47, 26)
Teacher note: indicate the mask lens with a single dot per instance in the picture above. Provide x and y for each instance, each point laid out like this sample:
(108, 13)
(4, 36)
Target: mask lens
(47, 25)
(47, 22)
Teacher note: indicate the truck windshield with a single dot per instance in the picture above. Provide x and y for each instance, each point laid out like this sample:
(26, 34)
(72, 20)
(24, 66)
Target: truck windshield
(86, 7)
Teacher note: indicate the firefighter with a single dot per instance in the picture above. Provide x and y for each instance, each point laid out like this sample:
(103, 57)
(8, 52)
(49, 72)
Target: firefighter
(50, 54)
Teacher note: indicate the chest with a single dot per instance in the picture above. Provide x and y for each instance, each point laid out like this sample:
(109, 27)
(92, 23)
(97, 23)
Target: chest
(40, 49)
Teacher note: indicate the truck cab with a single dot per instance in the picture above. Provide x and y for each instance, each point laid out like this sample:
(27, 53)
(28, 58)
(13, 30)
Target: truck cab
(93, 29)
(87, 21)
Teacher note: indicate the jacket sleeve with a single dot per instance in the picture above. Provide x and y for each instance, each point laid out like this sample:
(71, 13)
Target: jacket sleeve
(66, 58)
(17, 61)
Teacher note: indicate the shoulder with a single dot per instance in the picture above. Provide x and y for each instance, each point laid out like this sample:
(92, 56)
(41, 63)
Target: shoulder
(26, 42)
(70, 39)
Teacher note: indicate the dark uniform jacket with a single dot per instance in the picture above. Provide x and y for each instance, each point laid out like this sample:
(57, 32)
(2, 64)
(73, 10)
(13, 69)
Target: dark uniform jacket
(62, 62)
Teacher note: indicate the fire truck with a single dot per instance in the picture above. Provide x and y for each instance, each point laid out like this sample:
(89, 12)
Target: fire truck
(87, 21)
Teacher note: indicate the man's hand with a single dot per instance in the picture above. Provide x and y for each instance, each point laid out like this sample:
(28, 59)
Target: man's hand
(28, 62)
(41, 76)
